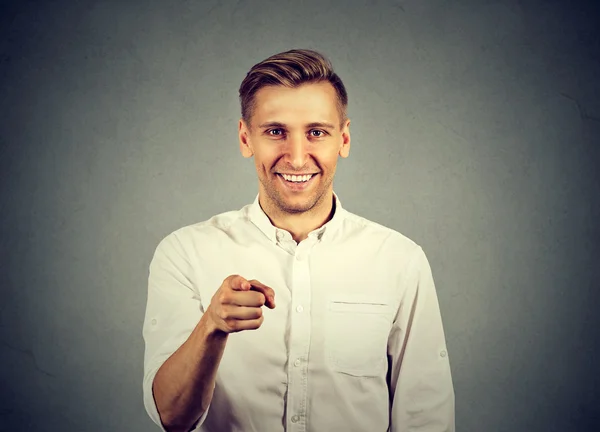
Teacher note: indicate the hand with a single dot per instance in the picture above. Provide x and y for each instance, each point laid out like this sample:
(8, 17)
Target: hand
(236, 305)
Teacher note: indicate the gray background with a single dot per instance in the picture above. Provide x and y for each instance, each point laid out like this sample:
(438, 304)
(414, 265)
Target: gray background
(475, 132)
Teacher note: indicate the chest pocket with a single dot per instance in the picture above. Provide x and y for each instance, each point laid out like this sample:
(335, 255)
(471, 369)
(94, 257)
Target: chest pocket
(356, 334)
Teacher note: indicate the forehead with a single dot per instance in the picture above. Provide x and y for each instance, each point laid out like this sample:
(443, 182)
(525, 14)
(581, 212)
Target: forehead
(305, 103)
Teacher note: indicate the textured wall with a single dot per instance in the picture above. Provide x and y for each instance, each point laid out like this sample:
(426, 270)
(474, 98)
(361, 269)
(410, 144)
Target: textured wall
(476, 132)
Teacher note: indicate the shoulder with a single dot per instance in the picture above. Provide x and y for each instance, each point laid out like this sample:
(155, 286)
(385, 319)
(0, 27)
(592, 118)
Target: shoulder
(379, 234)
(391, 247)
(203, 232)
(394, 251)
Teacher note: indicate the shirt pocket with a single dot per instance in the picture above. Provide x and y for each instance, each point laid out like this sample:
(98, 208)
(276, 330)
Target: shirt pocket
(357, 330)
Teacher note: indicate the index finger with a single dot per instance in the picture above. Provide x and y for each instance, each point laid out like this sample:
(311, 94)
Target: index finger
(268, 292)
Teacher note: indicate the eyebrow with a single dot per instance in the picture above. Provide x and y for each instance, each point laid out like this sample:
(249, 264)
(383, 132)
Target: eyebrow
(323, 125)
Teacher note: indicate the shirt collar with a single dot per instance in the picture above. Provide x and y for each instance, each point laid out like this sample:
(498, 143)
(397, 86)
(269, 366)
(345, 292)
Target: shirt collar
(259, 218)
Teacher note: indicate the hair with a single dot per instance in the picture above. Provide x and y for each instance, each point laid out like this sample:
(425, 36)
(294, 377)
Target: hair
(291, 69)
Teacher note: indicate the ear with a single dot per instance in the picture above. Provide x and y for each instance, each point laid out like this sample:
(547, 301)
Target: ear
(345, 144)
(244, 136)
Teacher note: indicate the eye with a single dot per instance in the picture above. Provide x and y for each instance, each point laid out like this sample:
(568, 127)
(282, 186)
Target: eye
(275, 132)
(316, 133)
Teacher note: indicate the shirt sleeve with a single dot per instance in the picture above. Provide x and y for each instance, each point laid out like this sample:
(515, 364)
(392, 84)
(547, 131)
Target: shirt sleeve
(172, 312)
(421, 388)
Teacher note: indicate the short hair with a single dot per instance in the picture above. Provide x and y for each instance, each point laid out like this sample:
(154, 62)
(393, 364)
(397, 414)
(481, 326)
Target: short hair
(291, 69)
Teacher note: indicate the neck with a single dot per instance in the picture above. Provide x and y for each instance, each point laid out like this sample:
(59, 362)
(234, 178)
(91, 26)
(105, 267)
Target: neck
(299, 225)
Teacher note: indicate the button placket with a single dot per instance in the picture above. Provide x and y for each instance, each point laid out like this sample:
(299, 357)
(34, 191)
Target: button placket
(300, 342)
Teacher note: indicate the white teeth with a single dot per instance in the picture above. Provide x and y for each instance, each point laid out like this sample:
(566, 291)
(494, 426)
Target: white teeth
(297, 179)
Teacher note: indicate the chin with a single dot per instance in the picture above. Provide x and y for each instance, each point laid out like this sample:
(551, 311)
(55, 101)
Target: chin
(299, 204)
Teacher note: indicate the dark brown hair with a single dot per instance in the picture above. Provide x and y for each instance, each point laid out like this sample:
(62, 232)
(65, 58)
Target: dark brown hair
(291, 69)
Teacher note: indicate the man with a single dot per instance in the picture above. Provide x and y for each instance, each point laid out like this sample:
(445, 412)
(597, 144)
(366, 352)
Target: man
(293, 314)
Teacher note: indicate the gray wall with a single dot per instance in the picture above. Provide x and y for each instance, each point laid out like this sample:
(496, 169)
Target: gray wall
(476, 132)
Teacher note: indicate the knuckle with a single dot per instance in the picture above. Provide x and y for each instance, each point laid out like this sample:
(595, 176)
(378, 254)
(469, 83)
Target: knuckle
(232, 325)
(229, 278)
(224, 315)
(223, 298)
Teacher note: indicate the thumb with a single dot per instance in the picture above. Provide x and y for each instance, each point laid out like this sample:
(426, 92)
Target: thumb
(238, 283)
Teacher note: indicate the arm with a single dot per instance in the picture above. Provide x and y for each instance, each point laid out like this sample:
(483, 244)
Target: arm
(184, 344)
(184, 384)
(421, 389)
(182, 349)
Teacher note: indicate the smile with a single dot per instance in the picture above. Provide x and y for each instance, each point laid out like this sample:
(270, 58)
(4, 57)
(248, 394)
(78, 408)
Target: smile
(297, 183)
(297, 179)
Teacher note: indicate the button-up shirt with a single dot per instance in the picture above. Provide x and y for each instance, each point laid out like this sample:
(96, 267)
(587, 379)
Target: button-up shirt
(355, 342)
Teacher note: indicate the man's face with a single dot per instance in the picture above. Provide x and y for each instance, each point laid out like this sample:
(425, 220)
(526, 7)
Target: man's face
(295, 131)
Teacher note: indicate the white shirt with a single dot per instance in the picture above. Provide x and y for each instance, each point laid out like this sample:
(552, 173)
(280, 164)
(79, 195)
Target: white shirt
(355, 342)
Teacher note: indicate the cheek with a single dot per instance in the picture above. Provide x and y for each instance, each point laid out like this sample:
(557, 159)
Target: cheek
(264, 161)
(329, 160)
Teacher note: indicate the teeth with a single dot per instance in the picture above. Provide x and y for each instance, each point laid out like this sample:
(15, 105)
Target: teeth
(297, 179)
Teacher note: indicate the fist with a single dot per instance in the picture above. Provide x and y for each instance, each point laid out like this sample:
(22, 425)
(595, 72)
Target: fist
(237, 304)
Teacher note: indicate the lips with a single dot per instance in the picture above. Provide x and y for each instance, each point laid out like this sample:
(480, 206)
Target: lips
(297, 186)
(295, 174)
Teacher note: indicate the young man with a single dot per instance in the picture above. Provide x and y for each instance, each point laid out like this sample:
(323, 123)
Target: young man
(293, 314)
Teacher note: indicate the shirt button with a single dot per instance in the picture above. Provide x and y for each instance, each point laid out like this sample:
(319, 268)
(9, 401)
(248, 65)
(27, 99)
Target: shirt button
(153, 322)
(443, 353)
(295, 419)
(299, 309)
(279, 236)
(297, 362)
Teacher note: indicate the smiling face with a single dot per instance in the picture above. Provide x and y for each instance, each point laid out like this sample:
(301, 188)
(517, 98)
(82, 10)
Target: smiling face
(295, 132)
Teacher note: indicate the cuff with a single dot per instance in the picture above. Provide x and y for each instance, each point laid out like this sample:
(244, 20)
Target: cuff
(150, 404)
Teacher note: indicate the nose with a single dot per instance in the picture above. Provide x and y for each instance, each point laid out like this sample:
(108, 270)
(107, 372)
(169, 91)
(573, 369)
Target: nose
(296, 150)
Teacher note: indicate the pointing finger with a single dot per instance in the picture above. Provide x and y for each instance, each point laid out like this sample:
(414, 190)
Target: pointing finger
(268, 292)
